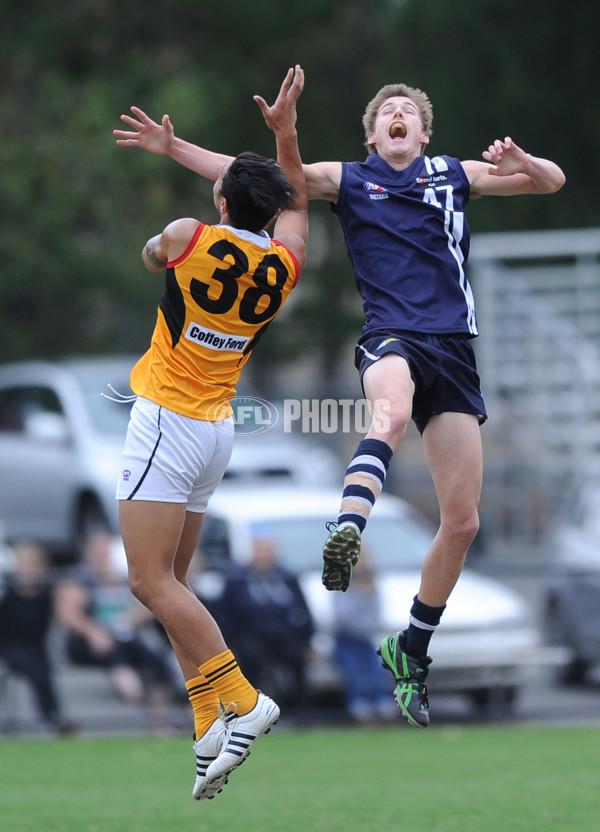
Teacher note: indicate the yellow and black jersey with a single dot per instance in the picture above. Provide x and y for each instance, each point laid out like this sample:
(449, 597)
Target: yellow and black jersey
(221, 294)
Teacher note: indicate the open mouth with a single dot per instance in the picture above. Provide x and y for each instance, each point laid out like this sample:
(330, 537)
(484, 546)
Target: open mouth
(397, 130)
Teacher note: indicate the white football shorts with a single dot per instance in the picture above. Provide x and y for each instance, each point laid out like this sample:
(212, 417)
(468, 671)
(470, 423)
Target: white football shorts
(170, 458)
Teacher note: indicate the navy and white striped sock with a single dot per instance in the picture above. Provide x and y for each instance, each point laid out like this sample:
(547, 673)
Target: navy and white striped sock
(364, 480)
(422, 624)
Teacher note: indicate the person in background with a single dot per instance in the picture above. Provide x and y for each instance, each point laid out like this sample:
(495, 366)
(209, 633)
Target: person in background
(265, 616)
(356, 626)
(27, 606)
(104, 627)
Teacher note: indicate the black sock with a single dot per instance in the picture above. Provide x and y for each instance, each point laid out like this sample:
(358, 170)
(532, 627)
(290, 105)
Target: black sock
(423, 621)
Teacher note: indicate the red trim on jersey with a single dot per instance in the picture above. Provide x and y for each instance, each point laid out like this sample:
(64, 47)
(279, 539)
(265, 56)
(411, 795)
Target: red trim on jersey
(293, 256)
(189, 247)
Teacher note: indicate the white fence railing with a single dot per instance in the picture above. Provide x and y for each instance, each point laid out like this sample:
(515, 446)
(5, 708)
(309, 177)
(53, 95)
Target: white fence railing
(538, 302)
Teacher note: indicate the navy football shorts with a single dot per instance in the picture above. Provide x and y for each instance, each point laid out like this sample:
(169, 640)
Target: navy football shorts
(442, 367)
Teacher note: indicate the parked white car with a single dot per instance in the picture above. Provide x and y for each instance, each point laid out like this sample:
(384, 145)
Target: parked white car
(487, 644)
(61, 437)
(571, 597)
(60, 445)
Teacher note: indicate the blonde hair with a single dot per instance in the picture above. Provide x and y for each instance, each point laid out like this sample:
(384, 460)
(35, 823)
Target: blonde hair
(420, 98)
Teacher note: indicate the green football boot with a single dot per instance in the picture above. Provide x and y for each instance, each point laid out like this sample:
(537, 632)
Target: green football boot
(410, 674)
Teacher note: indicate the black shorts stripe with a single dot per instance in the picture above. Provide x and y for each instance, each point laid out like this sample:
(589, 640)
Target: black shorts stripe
(149, 465)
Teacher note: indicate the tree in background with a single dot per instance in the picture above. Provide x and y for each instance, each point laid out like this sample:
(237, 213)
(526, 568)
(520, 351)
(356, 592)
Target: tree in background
(76, 210)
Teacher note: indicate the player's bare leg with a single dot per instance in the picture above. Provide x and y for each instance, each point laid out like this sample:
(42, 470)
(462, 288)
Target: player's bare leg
(151, 534)
(452, 443)
(389, 389)
(160, 541)
(157, 537)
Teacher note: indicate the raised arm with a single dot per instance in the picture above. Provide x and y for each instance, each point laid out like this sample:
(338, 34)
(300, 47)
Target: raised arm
(161, 139)
(322, 178)
(291, 228)
(512, 171)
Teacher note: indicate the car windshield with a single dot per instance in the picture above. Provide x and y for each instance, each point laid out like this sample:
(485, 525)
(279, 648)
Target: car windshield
(392, 542)
(108, 415)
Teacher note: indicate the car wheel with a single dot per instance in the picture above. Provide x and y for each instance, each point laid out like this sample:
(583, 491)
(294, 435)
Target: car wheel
(574, 672)
(497, 702)
(558, 630)
(555, 622)
(90, 518)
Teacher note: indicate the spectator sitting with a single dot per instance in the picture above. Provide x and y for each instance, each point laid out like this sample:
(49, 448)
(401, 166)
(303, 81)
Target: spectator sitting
(104, 627)
(26, 615)
(263, 614)
(357, 626)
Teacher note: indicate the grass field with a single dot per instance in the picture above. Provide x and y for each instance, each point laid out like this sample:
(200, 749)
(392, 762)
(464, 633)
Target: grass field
(473, 779)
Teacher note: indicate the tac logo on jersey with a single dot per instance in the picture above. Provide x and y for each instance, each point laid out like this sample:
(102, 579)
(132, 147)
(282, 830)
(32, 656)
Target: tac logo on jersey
(216, 340)
(375, 191)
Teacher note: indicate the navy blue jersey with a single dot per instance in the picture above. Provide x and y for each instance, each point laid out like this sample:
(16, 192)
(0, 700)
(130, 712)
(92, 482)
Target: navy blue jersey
(408, 240)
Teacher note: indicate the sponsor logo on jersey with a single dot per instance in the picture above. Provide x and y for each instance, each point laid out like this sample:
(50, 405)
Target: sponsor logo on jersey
(216, 340)
(385, 343)
(428, 180)
(375, 191)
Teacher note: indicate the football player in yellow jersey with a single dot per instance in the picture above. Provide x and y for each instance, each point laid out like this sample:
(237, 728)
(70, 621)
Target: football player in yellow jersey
(224, 284)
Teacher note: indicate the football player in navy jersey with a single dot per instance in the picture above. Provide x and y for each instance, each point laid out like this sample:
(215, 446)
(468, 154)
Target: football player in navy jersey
(403, 218)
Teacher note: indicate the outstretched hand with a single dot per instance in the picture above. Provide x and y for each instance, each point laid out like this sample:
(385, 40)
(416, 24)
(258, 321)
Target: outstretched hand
(148, 134)
(507, 157)
(282, 113)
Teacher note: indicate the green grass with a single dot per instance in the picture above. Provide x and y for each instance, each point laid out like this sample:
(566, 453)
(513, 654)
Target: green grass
(473, 779)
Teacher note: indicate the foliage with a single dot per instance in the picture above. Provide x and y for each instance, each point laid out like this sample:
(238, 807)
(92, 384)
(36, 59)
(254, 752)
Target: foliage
(77, 209)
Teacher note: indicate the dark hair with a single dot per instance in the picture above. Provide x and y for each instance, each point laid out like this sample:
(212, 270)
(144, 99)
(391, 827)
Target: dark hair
(256, 189)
